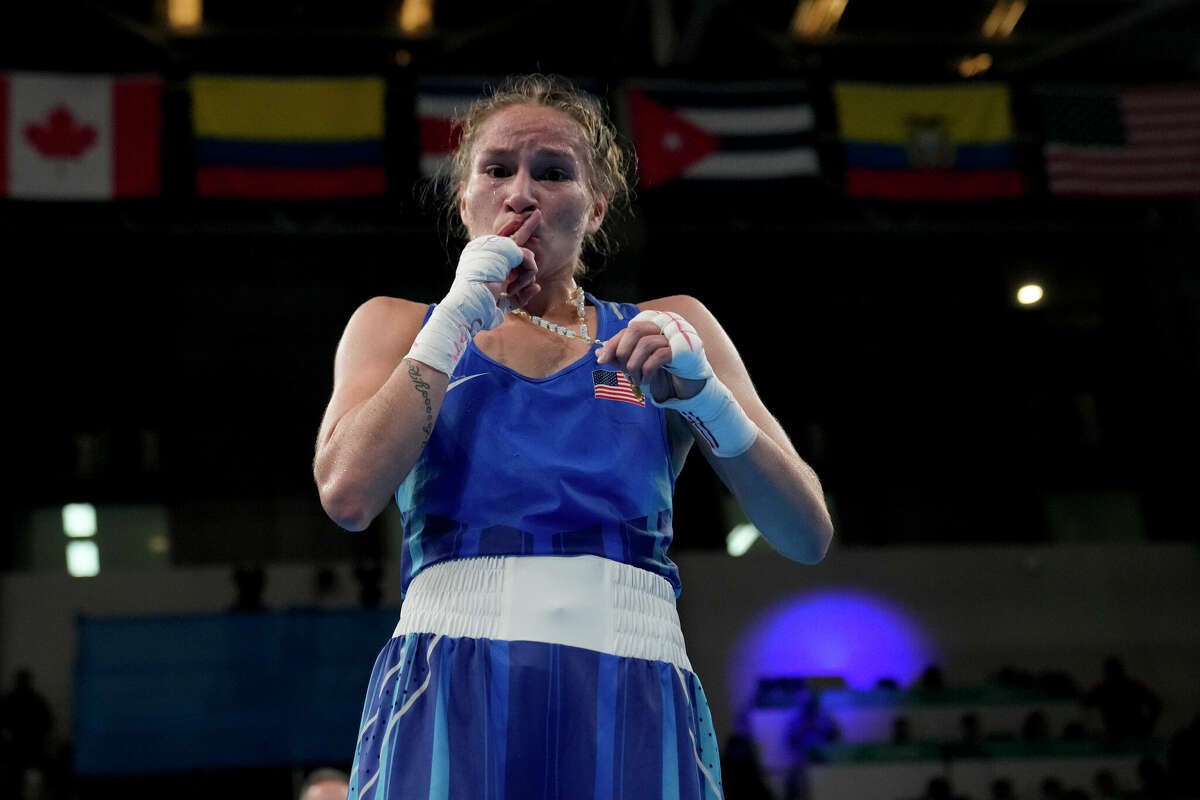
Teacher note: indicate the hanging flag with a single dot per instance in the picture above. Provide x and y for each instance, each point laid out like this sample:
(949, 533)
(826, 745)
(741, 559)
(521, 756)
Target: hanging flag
(1122, 142)
(288, 138)
(734, 131)
(79, 137)
(927, 142)
(609, 385)
(440, 103)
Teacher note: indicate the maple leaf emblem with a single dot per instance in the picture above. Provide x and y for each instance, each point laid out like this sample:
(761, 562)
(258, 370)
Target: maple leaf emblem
(60, 135)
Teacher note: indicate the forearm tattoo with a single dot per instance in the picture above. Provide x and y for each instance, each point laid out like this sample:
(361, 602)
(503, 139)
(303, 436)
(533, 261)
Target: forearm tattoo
(414, 372)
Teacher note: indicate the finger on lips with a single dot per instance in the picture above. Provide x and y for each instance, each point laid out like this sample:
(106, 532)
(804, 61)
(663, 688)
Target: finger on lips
(522, 233)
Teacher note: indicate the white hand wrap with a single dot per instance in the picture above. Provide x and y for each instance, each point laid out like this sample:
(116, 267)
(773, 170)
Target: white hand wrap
(469, 306)
(714, 413)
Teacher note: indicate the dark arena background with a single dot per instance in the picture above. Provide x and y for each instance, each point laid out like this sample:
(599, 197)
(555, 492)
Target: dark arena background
(1009, 606)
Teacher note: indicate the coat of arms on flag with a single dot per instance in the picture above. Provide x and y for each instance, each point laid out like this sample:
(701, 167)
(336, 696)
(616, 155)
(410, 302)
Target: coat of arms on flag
(928, 142)
(609, 385)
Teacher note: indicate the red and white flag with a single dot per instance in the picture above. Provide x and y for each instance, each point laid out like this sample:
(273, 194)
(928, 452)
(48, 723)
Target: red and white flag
(440, 103)
(79, 137)
(1114, 142)
(609, 385)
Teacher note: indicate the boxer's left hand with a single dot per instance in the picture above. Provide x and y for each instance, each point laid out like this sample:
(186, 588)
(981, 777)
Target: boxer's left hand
(662, 353)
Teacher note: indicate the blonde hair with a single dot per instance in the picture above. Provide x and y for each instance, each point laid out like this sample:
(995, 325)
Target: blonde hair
(610, 164)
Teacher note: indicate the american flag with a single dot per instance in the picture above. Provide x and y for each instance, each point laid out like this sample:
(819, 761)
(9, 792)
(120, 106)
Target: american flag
(1122, 142)
(616, 386)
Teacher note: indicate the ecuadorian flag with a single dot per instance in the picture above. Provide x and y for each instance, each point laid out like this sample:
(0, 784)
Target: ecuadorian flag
(288, 138)
(927, 142)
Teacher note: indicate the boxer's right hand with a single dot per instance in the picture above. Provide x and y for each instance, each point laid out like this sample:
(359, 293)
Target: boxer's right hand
(483, 273)
(488, 266)
(521, 284)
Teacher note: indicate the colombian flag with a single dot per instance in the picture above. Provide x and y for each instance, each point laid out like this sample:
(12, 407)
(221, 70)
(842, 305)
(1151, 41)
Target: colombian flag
(288, 138)
(927, 142)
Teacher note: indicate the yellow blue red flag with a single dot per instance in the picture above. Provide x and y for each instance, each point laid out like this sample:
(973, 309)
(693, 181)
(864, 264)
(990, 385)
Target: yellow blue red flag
(288, 137)
(928, 142)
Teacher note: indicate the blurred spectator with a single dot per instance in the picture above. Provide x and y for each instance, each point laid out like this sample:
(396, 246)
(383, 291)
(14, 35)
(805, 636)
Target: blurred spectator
(1058, 684)
(1013, 678)
(1074, 731)
(1051, 789)
(250, 580)
(1106, 786)
(1035, 728)
(1128, 710)
(888, 684)
(810, 727)
(27, 722)
(741, 773)
(369, 573)
(1183, 760)
(325, 784)
(938, 789)
(325, 583)
(971, 733)
(33, 785)
(970, 741)
(901, 731)
(25, 725)
(931, 679)
(1002, 789)
(1153, 779)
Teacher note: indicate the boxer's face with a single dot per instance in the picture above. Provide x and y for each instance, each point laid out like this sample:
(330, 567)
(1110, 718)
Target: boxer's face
(526, 158)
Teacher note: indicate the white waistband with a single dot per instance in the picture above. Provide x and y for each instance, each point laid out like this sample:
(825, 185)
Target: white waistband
(583, 601)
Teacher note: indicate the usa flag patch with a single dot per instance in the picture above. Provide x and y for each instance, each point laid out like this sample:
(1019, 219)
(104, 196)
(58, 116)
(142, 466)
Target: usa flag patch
(615, 386)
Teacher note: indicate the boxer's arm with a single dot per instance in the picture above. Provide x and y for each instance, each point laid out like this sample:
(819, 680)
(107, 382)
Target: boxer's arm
(778, 491)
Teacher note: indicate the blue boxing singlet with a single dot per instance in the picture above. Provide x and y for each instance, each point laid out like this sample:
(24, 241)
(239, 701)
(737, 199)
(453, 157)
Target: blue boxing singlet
(573, 463)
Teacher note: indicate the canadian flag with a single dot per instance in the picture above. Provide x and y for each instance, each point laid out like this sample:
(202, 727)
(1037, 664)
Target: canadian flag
(79, 137)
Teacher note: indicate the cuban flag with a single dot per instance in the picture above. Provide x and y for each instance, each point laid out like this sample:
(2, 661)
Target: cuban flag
(728, 131)
(79, 137)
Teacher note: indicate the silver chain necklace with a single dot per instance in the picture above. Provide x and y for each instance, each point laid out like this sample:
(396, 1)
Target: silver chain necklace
(582, 335)
(562, 330)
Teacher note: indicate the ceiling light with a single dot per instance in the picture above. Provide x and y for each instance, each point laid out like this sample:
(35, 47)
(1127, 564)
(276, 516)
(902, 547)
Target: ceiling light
(970, 66)
(83, 559)
(415, 18)
(1029, 294)
(184, 14)
(79, 520)
(815, 18)
(1003, 18)
(738, 540)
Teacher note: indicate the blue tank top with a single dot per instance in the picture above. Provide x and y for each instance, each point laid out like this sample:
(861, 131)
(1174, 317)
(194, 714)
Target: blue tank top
(574, 463)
